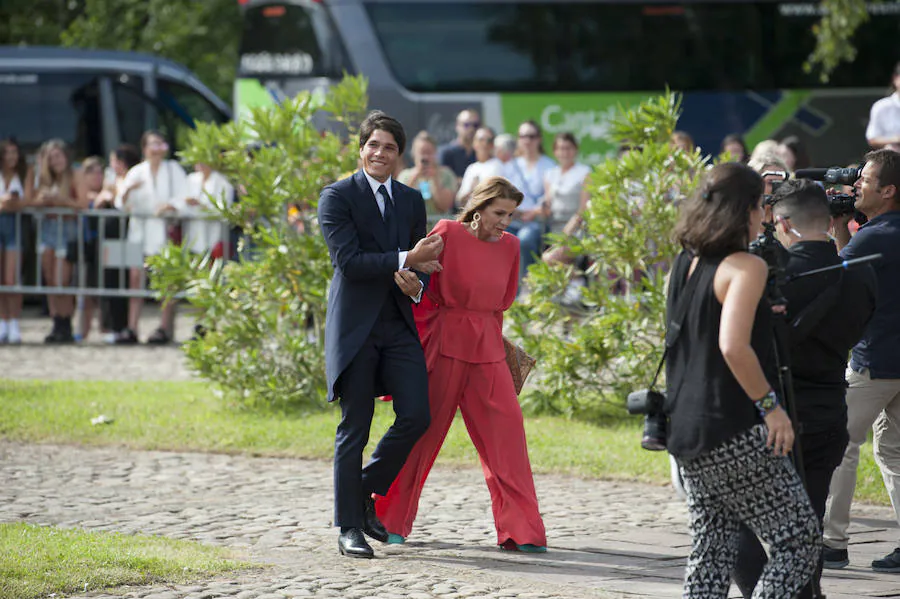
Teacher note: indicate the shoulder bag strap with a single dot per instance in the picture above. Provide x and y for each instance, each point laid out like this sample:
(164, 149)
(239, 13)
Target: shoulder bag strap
(673, 329)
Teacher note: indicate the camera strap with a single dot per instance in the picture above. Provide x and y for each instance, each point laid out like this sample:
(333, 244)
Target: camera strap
(673, 328)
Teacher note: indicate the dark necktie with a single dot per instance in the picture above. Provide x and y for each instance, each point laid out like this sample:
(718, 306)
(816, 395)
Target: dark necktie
(389, 223)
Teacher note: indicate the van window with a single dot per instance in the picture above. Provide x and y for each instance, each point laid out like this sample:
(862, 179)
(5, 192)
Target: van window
(131, 108)
(182, 98)
(52, 106)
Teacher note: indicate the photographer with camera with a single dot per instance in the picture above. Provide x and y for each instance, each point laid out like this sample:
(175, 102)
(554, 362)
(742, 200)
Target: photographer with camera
(826, 316)
(874, 376)
(726, 428)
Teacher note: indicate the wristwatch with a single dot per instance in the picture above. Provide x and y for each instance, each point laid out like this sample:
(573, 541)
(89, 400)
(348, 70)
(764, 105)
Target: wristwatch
(766, 403)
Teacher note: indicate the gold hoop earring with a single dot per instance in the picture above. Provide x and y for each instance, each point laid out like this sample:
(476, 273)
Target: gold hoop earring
(476, 221)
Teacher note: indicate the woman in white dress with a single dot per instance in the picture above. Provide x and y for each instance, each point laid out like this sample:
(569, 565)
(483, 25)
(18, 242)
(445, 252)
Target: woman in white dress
(203, 232)
(154, 189)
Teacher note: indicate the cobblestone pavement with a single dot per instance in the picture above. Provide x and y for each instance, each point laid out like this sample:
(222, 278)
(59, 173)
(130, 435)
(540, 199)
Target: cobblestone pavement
(606, 539)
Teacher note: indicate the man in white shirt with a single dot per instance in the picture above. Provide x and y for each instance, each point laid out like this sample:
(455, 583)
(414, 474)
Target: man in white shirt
(884, 119)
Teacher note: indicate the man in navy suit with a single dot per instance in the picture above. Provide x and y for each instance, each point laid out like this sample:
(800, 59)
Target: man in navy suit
(370, 222)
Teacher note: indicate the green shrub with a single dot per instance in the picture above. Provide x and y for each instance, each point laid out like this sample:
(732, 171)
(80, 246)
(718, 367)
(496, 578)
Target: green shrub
(590, 357)
(264, 314)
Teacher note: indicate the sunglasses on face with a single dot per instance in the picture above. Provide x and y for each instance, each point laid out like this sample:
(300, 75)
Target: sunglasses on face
(471, 125)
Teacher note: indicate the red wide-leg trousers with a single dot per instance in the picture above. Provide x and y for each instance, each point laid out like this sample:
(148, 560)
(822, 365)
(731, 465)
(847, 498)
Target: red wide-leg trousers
(490, 408)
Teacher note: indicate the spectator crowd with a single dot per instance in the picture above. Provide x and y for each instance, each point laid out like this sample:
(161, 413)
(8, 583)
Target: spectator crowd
(54, 215)
(147, 199)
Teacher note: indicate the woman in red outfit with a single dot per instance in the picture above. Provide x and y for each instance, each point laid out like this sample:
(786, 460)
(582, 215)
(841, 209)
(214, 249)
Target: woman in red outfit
(461, 323)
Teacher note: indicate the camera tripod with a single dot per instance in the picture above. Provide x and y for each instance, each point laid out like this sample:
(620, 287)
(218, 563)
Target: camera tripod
(768, 249)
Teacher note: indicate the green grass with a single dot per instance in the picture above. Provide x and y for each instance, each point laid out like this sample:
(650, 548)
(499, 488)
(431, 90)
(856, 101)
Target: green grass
(36, 561)
(186, 416)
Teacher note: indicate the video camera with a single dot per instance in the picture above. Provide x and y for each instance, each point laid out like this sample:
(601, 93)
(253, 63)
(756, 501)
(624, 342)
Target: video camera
(834, 175)
(840, 204)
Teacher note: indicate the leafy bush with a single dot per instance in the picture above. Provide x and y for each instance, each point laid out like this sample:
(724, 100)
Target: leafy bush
(590, 357)
(264, 314)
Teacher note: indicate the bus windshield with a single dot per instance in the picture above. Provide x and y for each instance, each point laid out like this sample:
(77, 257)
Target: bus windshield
(288, 40)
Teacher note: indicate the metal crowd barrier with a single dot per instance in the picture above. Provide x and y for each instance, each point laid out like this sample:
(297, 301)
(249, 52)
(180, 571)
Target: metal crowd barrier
(113, 257)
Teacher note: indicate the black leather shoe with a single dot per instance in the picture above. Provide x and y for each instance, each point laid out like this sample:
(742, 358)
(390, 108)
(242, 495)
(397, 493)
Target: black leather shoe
(374, 528)
(353, 544)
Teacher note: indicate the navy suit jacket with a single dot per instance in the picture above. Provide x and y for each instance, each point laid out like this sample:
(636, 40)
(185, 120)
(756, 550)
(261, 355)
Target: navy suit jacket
(364, 265)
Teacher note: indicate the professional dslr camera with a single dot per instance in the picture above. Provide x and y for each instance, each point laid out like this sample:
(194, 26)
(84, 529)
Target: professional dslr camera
(840, 204)
(650, 403)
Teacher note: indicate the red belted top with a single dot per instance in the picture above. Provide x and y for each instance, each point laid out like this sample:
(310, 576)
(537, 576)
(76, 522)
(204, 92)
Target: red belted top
(461, 315)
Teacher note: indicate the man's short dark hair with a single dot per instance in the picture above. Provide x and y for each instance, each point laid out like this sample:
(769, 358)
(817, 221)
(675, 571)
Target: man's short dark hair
(378, 120)
(889, 173)
(804, 202)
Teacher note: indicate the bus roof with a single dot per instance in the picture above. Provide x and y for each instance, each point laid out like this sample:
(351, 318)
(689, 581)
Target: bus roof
(58, 59)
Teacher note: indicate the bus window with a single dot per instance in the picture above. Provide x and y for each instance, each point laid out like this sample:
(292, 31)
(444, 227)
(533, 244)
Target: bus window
(286, 39)
(590, 46)
(52, 106)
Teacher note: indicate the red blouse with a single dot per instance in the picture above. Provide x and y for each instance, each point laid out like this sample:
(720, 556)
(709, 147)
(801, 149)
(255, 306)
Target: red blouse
(461, 315)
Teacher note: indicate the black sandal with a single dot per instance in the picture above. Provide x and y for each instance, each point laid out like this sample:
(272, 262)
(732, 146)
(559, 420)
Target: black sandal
(126, 337)
(159, 337)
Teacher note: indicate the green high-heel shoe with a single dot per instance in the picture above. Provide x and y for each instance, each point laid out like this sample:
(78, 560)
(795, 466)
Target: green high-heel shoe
(395, 539)
(511, 545)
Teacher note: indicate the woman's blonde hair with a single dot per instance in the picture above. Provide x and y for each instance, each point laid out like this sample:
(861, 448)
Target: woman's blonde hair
(484, 194)
(761, 161)
(48, 177)
(764, 148)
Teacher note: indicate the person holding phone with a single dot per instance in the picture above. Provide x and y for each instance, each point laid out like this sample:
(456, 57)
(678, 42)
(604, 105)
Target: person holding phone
(436, 183)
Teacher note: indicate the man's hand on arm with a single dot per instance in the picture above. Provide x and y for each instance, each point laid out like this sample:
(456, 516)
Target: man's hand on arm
(424, 257)
(409, 284)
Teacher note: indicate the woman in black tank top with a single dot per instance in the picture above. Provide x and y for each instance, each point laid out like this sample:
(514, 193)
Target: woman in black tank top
(727, 432)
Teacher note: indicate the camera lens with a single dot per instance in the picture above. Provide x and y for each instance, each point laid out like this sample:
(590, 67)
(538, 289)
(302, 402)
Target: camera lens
(654, 437)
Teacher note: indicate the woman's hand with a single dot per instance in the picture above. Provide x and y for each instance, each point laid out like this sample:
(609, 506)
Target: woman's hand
(105, 199)
(781, 432)
(165, 209)
(46, 199)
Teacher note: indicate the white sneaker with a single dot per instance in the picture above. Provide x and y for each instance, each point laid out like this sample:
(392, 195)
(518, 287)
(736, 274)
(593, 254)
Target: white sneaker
(15, 334)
